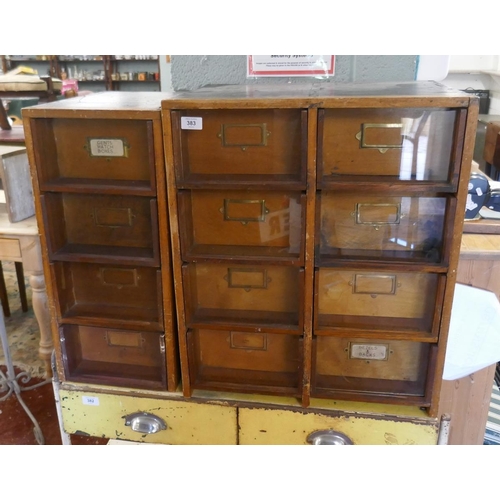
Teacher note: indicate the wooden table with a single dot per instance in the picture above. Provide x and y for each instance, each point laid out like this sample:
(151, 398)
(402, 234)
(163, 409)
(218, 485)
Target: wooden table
(19, 242)
(467, 400)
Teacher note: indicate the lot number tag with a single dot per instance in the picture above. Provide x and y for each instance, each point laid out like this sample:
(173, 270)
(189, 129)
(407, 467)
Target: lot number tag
(191, 123)
(90, 400)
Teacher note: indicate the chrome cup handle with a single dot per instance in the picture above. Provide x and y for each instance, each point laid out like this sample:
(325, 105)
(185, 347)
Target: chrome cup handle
(328, 437)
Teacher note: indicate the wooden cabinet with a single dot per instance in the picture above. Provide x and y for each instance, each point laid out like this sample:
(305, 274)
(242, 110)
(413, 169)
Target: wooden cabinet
(315, 235)
(99, 181)
(227, 252)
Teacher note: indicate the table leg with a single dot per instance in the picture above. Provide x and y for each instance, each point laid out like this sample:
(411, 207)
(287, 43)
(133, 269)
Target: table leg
(41, 309)
(33, 267)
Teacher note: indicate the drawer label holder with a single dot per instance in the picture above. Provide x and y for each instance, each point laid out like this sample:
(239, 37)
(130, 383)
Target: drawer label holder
(376, 352)
(107, 147)
(383, 148)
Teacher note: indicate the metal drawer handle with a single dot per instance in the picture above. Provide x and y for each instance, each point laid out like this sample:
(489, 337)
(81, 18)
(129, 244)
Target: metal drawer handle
(360, 136)
(328, 437)
(145, 423)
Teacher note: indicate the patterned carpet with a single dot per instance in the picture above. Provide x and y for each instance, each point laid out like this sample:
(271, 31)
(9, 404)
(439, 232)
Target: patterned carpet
(22, 328)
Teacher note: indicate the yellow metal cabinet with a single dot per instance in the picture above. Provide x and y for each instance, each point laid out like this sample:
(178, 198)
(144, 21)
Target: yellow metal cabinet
(242, 420)
(100, 414)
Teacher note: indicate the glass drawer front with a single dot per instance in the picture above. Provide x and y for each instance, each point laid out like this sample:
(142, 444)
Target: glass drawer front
(100, 226)
(239, 294)
(382, 227)
(114, 357)
(249, 360)
(370, 366)
(241, 223)
(241, 144)
(406, 144)
(92, 294)
(96, 151)
(378, 300)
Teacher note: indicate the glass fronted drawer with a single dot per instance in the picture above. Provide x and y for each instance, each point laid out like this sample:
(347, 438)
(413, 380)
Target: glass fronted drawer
(248, 145)
(114, 357)
(244, 361)
(102, 228)
(372, 300)
(84, 154)
(370, 366)
(108, 295)
(248, 224)
(226, 294)
(397, 144)
(390, 228)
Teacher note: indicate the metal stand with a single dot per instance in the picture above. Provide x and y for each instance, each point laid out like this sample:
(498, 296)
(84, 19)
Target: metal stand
(65, 437)
(10, 382)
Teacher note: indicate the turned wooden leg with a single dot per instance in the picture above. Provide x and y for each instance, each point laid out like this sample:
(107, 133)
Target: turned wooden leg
(41, 310)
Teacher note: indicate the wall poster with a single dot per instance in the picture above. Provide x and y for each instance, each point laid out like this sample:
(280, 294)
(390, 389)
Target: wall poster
(290, 66)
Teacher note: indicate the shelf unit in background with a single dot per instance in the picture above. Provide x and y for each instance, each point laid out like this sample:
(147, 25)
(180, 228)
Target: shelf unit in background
(95, 72)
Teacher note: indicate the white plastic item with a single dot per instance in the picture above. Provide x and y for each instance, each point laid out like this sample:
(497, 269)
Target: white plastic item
(433, 67)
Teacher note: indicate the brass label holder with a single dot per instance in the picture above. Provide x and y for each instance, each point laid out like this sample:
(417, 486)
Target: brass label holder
(383, 148)
(118, 277)
(224, 133)
(107, 147)
(248, 341)
(244, 220)
(359, 218)
(118, 217)
(387, 284)
(260, 281)
(120, 339)
(368, 352)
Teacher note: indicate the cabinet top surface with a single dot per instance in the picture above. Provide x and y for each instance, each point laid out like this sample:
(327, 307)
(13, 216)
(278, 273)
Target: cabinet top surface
(103, 101)
(317, 93)
(265, 95)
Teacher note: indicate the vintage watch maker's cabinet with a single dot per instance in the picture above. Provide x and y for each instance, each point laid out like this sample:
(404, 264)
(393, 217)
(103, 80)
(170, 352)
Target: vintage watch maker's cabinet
(98, 174)
(316, 236)
(252, 264)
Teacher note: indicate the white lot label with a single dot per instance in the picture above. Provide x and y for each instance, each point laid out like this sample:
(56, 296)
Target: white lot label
(191, 123)
(106, 147)
(90, 400)
(369, 351)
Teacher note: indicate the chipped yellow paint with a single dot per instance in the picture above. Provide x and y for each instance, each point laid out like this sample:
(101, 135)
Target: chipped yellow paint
(265, 426)
(187, 423)
(316, 403)
(233, 398)
(214, 418)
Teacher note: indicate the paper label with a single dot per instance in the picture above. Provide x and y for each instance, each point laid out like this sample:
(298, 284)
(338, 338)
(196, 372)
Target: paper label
(106, 147)
(90, 400)
(191, 123)
(369, 351)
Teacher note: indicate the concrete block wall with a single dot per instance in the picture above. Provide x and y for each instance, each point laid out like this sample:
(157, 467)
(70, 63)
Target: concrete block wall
(195, 71)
